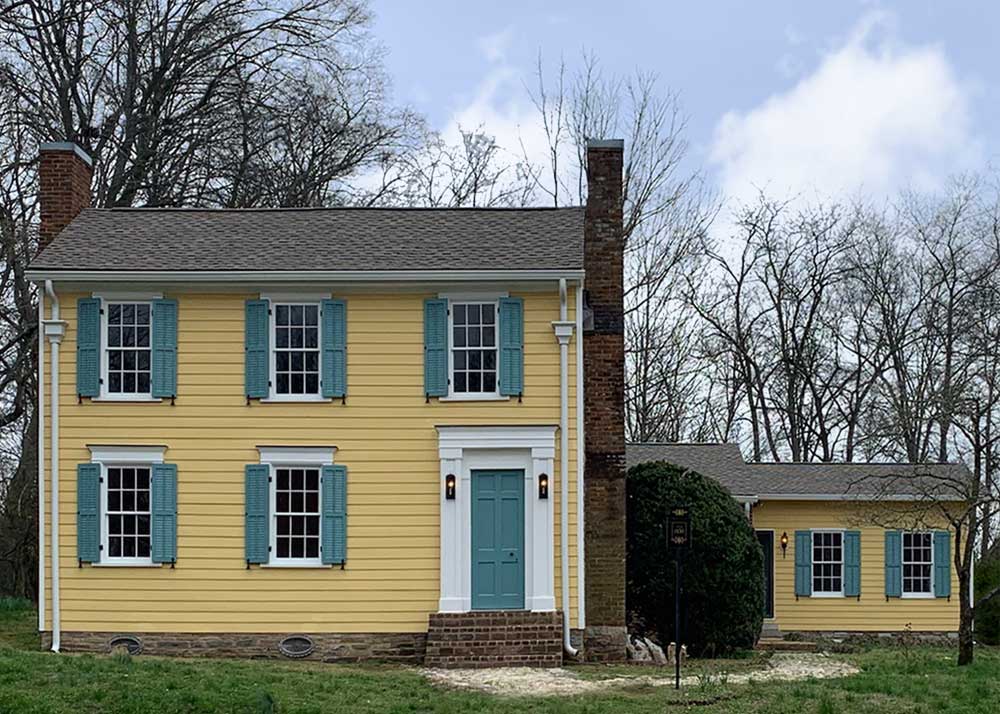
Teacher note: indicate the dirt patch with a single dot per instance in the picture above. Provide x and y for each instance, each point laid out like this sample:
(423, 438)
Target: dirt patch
(527, 682)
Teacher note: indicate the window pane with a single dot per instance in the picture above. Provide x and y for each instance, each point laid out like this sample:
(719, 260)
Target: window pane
(475, 359)
(489, 382)
(143, 549)
(312, 338)
(114, 337)
(475, 382)
(281, 337)
(489, 313)
(142, 382)
(296, 384)
(312, 384)
(128, 314)
(312, 361)
(474, 337)
(295, 314)
(459, 334)
(489, 359)
(142, 337)
(489, 338)
(142, 314)
(460, 382)
(282, 384)
(472, 314)
(458, 314)
(114, 314)
(281, 314)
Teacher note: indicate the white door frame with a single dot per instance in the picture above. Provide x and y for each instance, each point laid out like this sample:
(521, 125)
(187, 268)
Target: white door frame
(464, 449)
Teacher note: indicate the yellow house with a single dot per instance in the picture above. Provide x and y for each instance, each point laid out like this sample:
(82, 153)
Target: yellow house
(332, 433)
(845, 552)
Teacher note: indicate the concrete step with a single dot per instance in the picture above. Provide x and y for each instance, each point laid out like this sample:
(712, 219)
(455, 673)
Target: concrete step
(778, 644)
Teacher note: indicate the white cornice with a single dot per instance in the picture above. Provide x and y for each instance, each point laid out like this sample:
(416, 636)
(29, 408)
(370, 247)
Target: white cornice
(296, 276)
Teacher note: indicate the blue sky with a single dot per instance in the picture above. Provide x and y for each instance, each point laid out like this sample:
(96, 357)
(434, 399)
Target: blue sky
(825, 97)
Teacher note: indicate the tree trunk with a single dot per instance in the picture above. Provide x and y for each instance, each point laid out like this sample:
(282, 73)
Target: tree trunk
(966, 644)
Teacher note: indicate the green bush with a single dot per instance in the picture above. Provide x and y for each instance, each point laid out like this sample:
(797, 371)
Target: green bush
(988, 615)
(723, 589)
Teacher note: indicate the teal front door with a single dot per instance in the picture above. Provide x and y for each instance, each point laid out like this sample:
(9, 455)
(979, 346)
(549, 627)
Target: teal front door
(497, 540)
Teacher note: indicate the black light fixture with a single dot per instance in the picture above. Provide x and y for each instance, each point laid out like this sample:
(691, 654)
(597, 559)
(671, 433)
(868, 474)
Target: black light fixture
(784, 543)
(449, 487)
(543, 485)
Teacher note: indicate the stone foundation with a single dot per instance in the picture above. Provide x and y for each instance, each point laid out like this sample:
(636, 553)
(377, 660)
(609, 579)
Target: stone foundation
(408, 647)
(604, 643)
(494, 639)
(895, 637)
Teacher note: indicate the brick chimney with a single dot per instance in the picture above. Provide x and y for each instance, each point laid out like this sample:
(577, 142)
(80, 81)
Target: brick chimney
(604, 405)
(64, 174)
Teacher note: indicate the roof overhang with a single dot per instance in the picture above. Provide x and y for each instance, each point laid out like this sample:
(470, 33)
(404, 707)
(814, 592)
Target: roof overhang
(298, 276)
(856, 497)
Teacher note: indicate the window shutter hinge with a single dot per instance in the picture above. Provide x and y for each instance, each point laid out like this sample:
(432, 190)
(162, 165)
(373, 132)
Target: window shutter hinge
(269, 479)
(100, 547)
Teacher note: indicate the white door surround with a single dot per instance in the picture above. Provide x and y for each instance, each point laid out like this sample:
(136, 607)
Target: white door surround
(463, 449)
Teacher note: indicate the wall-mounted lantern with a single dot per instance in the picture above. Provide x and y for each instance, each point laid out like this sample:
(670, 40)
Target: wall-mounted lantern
(784, 543)
(449, 487)
(543, 486)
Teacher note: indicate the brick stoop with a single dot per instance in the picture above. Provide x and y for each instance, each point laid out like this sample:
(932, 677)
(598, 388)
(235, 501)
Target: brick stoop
(494, 639)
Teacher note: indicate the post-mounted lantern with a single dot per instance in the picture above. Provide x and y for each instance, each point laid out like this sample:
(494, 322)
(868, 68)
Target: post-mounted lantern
(449, 487)
(543, 486)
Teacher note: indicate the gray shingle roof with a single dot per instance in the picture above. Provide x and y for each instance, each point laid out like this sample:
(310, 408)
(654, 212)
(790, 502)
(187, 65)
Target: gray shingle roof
(725, 464)
(350, 239)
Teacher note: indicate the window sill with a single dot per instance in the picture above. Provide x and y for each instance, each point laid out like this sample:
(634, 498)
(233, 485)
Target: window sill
(129, 564)
(917, 596)
(828, 595)
(307, 566)
(474, 398)
(295, 400)
(140, 400)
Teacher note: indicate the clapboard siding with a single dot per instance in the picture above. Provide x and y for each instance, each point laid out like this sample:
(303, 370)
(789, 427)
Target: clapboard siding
(872, 612)
(384, 434)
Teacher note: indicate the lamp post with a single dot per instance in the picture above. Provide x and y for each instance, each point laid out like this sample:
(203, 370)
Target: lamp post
(678, 540)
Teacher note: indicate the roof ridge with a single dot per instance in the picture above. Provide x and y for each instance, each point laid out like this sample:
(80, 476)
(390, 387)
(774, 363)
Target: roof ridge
(265, 209)
(854, 463)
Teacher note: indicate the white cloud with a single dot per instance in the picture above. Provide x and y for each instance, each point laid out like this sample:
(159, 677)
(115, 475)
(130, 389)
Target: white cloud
(875, 115)
(494, 46)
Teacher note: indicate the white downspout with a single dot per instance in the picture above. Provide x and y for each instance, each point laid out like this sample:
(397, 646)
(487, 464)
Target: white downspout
(54, 329)
(564, 331)
(41, 459)
(581, 617)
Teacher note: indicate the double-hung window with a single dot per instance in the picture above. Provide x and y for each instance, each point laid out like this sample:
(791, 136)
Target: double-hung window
(474, 348)
(827, 563)
(918, 564)
(296, 354)
(127, 339)
(296, 515)
(127, 501)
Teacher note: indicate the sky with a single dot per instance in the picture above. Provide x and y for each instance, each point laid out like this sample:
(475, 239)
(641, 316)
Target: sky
(821, 98)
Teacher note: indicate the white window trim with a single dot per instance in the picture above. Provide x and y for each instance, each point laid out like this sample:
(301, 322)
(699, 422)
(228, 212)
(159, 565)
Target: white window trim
(902, 568)
(124, 297)
(111, 455)
(272, 359)
(473, 298)
(277, 457)
(812, 561)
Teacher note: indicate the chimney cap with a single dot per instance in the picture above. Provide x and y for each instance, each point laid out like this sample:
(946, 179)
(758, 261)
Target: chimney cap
(606, 144)
(60, 146)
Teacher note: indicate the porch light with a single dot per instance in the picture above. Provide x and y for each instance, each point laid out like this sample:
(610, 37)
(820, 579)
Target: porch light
(543, 486)
(784, 543)
(449, 487)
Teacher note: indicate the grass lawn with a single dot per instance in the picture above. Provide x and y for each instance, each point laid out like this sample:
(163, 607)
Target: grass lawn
(922, 679)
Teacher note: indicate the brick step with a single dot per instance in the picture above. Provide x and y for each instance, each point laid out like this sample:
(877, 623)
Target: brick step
(487, 638)
(778, 644)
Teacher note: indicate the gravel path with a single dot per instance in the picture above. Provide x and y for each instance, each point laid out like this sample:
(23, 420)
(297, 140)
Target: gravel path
(528, 682)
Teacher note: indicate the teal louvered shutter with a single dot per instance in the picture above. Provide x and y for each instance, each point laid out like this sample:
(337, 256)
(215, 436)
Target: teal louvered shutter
(942, 564)
(334, 356)
(893, 564)
(163, 531)
(852, 564)
(164, 378)
(803, 564)
(257, 345)
(511, 346)
(88, 513)
(88, 347)
(334, 528)
(257, 496)
(436, 348)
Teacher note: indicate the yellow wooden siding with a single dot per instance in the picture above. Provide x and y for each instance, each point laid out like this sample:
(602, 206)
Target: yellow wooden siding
(384, 434)
(872, 612)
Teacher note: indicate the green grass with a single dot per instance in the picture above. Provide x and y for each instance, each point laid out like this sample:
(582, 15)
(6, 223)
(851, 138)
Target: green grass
(918, 680)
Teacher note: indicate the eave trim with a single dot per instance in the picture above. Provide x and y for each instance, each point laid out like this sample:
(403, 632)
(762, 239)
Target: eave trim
(297, 276)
